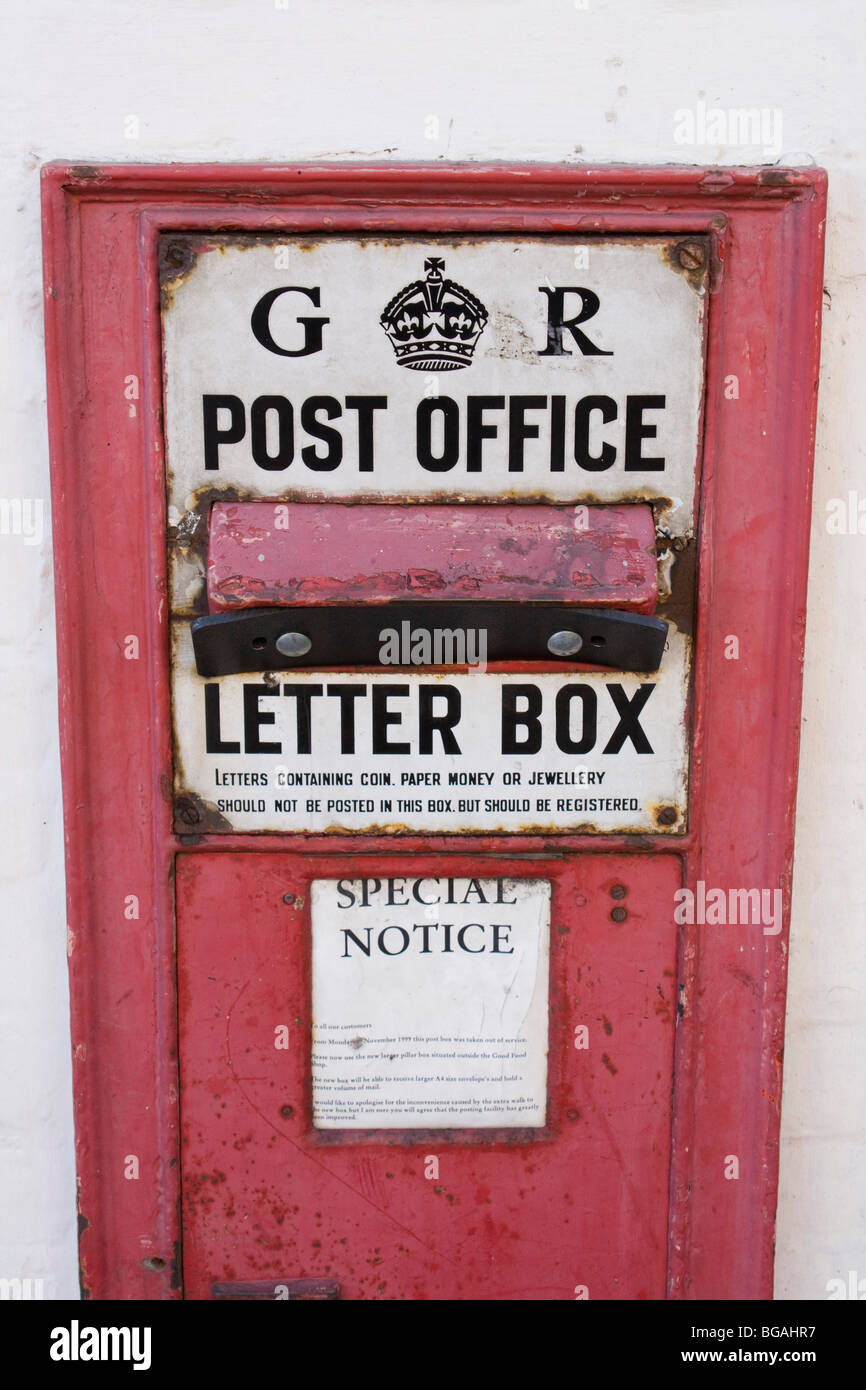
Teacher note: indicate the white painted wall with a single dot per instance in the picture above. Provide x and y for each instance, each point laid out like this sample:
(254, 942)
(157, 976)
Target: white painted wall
(594, 81)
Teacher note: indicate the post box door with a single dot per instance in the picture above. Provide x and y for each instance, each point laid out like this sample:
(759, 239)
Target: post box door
(575, 1206)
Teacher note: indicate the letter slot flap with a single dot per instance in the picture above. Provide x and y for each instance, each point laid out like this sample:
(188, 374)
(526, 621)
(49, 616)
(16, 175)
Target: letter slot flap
(297, 586)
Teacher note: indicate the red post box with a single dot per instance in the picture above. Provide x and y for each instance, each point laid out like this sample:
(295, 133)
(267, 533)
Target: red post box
(431, 553)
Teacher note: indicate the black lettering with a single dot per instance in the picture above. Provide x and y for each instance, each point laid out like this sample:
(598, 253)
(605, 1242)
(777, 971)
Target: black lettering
(528, 718)
(417, 896)
(519, 430)
(636, 431)
(313, 328)
(347, 695)
(322, 463)
(496, 949)
(393, 884)
(405, 937)
(368, 886)
(213, 737)
(557, 322)
(255, 717)
(304, 696)
(272, 463)
(441, 724)
(476, 430)
(582, 411)
(451, 434)
(557, 434)
(461, 939)
(425, 928)
(628, 726)
(589, 725)
(383, 718)
(365, 405)
(357, 940)
(234, 431)
(474, 886)
(345, 893)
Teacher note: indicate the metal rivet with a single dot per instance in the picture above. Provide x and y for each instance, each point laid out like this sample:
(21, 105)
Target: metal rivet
(618, 914)
(564, 643)
(293, 644)
(668, 815)
(690, 255)
(288, 898)
(287, 1111)
(618, 890)
(186, 811)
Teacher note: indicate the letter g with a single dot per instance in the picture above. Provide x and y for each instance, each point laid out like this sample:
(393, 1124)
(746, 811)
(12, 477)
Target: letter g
(261, 326)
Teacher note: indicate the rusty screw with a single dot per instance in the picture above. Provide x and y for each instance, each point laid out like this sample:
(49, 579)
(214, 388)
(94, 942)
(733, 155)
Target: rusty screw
(618, 890)
(618, 914)
(690, 255)
(186, 811)
(668, 815)
(176, 255)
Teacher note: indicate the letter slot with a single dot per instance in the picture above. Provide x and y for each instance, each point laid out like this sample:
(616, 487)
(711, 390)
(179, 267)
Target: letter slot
(298, 586)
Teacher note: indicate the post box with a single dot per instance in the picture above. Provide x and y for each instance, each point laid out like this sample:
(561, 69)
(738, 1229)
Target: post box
(431, 551)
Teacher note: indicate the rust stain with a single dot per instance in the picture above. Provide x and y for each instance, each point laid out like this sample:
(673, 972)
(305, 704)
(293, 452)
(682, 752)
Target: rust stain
(689, 258)
(779, 178)
(745, 979)
(193, 814)
(83, 1225)
(178, 258)
(87, 173)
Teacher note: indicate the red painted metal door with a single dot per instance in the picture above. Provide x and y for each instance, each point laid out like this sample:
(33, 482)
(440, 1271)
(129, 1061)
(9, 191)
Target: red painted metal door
(578, 1209)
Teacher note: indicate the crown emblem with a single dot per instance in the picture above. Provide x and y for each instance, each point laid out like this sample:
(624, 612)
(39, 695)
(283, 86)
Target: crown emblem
(434, 324)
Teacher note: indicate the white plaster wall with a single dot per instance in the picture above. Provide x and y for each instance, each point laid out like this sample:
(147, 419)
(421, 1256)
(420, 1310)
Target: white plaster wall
(593, 81)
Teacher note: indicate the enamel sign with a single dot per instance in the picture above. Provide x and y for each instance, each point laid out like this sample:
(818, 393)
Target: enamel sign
(406, 370)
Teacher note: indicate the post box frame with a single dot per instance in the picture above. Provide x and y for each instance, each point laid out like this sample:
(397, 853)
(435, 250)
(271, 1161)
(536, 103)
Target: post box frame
(101, 226)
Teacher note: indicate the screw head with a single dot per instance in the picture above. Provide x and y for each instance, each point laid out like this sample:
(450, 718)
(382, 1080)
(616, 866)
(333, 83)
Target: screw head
(186, 811)
(618, 890)
(690, 256)
(618, 914)
(668, 815)
(564, 643)
(293, 644)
